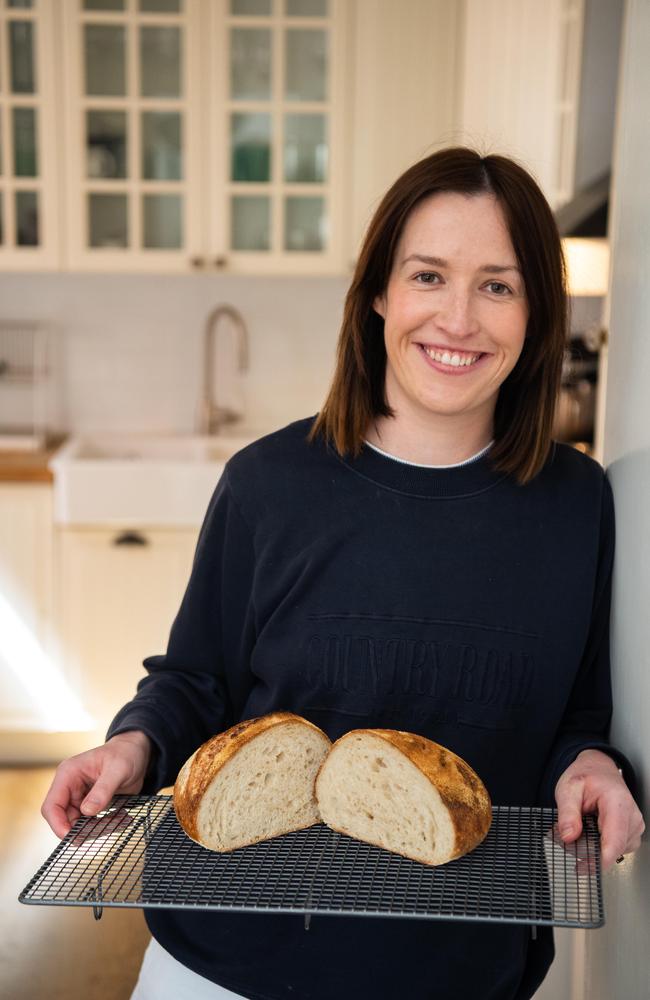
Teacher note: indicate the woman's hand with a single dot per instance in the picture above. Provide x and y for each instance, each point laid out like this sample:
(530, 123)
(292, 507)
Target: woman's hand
(86, 783)
(594, 783)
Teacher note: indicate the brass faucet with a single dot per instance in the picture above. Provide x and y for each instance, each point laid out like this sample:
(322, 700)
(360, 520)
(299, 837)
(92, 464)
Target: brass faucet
(212, 416)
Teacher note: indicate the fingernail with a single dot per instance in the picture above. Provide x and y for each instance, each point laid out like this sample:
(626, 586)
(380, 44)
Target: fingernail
(566, 831)
(88, 805)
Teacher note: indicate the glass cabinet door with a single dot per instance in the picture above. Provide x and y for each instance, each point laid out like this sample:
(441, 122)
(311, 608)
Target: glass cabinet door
(27, 162)
(135, 114)
(201, 134)
(282, 111)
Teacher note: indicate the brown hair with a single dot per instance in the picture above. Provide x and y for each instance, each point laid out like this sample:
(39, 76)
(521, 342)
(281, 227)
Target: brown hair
(525, 407)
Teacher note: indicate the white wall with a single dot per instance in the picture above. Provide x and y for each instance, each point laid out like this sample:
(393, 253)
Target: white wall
(131, 345)
(617, 959)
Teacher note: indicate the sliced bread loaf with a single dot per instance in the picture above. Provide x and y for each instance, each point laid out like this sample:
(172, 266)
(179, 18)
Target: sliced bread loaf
(253, 782)
(404, 793)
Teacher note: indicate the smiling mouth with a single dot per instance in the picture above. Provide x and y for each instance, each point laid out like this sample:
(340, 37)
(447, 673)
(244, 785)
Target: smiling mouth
(453, 359)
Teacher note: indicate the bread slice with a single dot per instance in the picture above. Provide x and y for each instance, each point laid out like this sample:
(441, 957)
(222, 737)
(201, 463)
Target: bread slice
(404, 793)
(253, 782)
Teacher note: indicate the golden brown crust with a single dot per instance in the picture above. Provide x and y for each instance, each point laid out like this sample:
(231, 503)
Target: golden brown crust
(459, 787)
(200, 769)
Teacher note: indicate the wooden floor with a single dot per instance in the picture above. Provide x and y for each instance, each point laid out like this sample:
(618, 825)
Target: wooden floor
(58, 952)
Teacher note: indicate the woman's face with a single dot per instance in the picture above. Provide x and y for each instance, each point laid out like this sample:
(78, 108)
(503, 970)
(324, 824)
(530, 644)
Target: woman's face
(455, 309)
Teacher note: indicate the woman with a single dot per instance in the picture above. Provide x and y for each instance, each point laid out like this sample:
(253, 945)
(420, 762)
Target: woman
(420, 556)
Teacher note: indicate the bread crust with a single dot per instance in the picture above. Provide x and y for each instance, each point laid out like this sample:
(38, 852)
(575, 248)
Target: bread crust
(459, 787)
(205, 763)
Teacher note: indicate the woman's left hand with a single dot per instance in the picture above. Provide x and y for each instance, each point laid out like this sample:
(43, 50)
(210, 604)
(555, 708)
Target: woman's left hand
(594, 783)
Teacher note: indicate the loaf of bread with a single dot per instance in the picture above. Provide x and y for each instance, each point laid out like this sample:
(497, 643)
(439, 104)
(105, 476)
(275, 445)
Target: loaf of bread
(404, 793)
(251, 783)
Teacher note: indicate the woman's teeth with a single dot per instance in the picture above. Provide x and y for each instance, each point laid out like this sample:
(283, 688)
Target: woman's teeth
(456, 359)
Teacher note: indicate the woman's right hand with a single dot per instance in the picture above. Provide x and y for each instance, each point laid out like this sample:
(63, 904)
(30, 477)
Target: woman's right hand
(86, 783)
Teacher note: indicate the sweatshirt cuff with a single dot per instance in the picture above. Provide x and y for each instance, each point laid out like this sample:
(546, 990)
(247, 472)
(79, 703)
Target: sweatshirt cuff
(560, 762)
(157, 775)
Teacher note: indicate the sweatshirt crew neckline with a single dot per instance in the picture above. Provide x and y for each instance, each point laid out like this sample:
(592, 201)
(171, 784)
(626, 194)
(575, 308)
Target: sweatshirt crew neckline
(445, 482)
(424, 465)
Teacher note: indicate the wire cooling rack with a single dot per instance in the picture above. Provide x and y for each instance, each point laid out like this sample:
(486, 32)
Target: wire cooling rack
(135, 854)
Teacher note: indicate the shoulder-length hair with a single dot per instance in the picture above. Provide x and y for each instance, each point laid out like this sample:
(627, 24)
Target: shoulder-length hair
(526, 403)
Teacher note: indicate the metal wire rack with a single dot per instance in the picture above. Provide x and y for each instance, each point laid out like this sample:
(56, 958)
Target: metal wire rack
(135, 854)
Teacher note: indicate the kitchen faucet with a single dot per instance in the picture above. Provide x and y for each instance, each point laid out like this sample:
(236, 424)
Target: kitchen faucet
(212, 416)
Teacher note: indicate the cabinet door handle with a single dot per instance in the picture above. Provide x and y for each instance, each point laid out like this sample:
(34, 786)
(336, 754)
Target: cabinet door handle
(130, 538)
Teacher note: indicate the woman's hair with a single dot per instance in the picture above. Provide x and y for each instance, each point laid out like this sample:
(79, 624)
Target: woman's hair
(525, 406)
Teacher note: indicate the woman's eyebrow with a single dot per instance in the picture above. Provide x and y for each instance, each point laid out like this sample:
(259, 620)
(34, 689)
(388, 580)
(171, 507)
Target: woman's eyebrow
(439, 262)
(500, 268)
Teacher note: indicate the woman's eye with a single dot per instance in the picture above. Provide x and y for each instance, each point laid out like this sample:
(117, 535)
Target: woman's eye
(498, 288)
(426, 277)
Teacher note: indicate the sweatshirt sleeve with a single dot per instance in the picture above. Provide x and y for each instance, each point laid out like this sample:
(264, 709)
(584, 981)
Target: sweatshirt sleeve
(585, 724)
(200, 685)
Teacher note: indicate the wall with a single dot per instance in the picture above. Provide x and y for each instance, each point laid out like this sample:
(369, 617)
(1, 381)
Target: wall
(130, 347)
(617, 955)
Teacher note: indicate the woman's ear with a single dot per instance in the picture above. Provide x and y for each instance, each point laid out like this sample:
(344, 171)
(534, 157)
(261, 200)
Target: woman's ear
(379, 305)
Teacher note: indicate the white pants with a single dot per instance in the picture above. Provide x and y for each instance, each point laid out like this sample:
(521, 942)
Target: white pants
(163, 978)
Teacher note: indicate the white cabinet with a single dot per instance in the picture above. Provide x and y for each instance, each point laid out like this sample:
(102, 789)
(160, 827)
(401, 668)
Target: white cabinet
(205, 136)
(119, 593)
(133, 96)
(404, 96)
(80, 609)
(25, 604)
(521, 85)
(278, 161)
(29, 196)
(224, 136)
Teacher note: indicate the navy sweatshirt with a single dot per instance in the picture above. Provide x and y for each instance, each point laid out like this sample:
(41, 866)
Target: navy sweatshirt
(368, 592)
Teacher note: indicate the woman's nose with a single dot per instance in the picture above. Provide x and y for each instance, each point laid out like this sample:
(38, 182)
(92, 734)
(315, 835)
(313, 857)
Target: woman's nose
(456, 315)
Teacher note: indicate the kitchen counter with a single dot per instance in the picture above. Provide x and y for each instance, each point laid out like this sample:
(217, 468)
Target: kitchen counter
(29, 466)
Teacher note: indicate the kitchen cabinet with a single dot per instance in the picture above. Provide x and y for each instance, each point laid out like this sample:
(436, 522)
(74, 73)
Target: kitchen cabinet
(219, 136)
(205, 136)
(26, 599)
(257, 136)
(405, 94)
(29, 170)
(119, 593)
(521, 85)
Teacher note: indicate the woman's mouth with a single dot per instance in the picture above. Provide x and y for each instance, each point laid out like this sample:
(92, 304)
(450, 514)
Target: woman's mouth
(452, 362)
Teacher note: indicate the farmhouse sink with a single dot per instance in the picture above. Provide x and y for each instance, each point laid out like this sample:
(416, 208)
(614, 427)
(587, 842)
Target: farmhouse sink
(139, 480)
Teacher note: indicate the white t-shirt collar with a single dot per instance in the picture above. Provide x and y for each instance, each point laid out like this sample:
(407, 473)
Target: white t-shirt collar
(420, 465)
